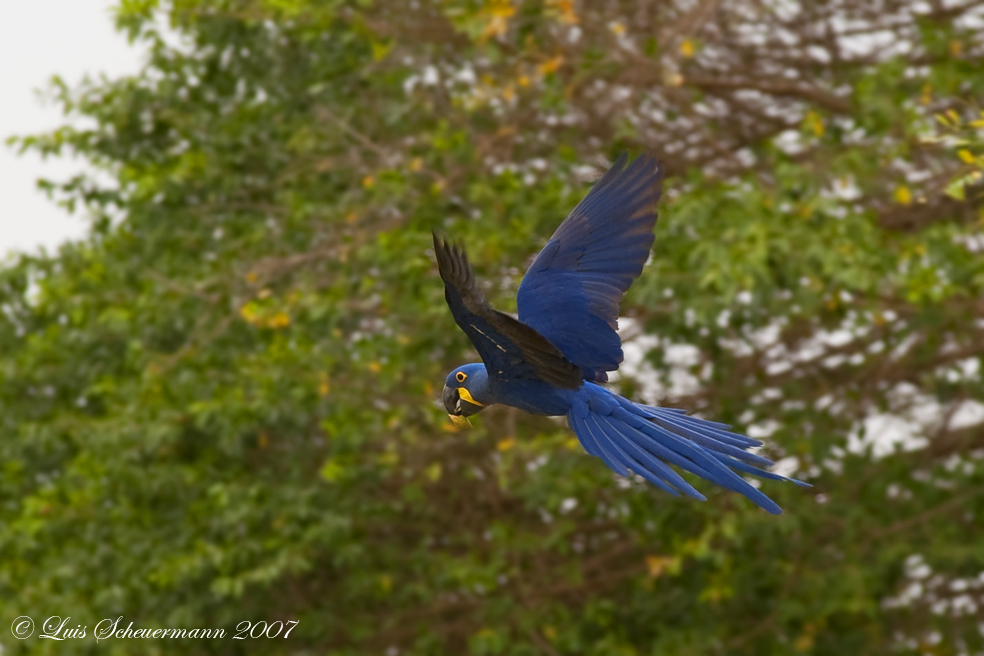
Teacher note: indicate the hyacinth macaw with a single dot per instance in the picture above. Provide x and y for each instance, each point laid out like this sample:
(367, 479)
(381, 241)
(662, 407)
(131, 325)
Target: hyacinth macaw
(550, 359)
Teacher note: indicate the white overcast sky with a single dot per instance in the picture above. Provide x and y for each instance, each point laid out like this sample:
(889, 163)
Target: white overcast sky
(38, 39)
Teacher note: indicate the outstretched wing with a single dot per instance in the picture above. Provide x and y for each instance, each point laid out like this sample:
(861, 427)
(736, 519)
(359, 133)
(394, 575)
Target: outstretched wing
(509, 349)
(571, 292)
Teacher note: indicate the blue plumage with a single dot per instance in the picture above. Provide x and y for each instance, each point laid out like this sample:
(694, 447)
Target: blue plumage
(573, 288)
(549, 360)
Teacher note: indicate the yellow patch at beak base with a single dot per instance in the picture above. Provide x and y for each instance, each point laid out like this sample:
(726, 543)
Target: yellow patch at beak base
(466, 396)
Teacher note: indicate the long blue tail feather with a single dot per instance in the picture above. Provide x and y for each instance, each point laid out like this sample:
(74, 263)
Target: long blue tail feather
(714, 442)
(642, 463)
(658, 449)
(716, 429)
(697, 460)
(699, 432)
(646, 473)
(593, 446)
(646, 440)
(755, 471)
(749, 469)
(587, 440)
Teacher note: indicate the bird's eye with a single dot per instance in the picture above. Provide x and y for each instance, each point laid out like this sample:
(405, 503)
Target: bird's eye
(460, 376)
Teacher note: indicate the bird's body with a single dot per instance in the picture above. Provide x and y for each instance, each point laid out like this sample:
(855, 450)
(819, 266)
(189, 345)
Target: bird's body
(550, 360)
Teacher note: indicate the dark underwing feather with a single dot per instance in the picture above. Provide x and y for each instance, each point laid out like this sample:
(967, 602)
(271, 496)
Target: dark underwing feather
(509, 348)
(571, 292)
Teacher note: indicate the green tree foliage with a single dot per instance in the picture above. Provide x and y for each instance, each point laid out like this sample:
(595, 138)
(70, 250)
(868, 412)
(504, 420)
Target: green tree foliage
(222, 406)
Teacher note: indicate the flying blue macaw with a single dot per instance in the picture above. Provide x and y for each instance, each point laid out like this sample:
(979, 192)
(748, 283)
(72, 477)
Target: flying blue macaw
(550, 360)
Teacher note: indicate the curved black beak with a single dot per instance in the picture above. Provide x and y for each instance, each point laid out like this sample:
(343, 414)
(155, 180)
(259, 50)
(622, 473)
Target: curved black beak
(456, 406)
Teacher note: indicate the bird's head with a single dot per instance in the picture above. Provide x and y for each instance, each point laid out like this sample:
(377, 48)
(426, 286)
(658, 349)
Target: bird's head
(462, 390)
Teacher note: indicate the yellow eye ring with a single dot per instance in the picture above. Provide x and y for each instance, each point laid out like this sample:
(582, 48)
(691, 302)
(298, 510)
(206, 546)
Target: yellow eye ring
(460, 376)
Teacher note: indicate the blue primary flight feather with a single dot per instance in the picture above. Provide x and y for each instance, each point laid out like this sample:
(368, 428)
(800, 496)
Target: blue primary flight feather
(571, 292)
(549, 360)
